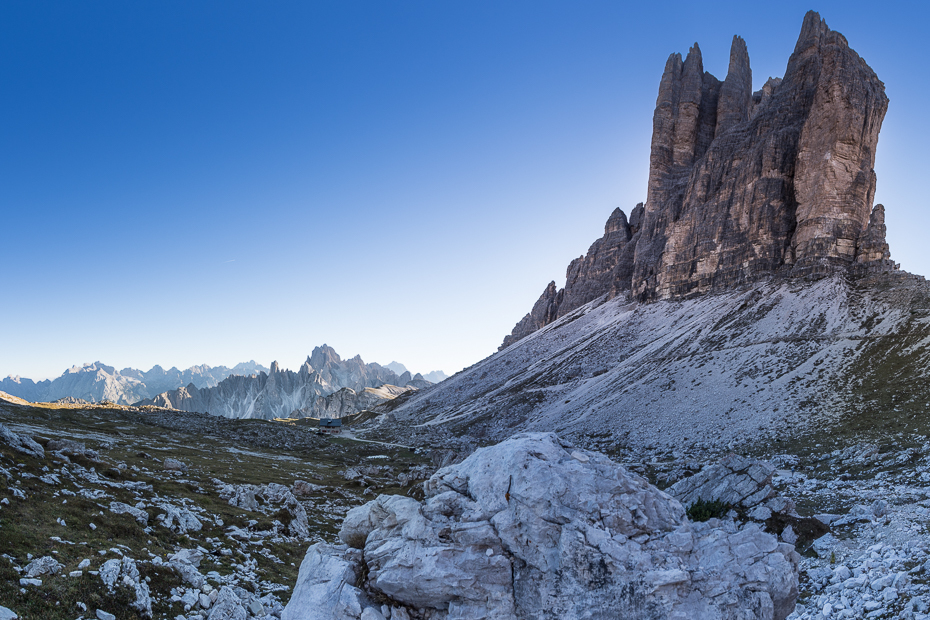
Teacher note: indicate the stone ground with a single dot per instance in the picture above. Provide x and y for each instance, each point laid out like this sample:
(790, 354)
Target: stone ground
(871, 488)
(132, 512)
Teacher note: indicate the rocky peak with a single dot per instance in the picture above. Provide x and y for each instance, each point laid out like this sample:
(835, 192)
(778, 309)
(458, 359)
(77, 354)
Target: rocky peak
(744, 185)
(321, 356)
(617, 223)
(735, 100)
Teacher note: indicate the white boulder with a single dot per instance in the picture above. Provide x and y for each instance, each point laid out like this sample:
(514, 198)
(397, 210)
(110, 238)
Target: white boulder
(534, 528)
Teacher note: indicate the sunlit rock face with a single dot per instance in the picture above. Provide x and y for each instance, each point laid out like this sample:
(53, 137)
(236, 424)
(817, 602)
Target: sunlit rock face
(743, 185)
(534, 528)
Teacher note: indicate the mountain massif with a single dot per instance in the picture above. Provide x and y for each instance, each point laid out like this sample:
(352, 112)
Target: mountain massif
(751, 298)
(98, 382)
(743, 184)
(324, 386)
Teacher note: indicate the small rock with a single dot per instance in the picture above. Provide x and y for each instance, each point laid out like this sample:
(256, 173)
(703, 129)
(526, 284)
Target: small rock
(139, 515)
(103, 615)
(227, 606)
(30, 582)
(7, 614)
(171, 464)
(42, 566)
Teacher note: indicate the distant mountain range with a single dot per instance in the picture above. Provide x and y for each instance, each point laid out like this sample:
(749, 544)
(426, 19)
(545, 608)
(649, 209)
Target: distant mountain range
(325, 386)
(434, 376)
(98, 382)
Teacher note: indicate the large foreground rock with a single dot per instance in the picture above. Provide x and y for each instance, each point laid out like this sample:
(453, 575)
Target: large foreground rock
(531, 528)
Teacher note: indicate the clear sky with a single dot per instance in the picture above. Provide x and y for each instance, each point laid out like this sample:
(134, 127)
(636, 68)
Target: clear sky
(213, 182)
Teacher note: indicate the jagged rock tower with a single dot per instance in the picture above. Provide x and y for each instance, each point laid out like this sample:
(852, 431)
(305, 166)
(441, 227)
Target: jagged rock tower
(744, 185)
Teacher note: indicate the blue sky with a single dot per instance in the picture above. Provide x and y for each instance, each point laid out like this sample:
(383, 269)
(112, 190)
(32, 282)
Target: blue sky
(213, 182)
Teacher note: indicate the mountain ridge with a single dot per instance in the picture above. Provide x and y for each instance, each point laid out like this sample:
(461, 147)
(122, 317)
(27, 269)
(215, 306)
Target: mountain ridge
(325, 386)
(97, 382)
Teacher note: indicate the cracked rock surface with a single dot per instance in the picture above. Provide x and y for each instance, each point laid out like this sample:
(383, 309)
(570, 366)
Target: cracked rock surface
(533, 528)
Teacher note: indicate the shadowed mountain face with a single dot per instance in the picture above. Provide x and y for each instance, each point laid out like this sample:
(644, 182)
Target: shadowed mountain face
(325, 386)
(743, 185)
(98, 382)
(752, 297)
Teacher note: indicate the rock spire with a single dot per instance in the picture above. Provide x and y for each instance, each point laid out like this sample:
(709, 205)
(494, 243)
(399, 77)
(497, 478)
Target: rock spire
(744, 185)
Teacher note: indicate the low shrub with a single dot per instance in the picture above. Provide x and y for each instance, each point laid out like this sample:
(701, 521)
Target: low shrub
(702, 510)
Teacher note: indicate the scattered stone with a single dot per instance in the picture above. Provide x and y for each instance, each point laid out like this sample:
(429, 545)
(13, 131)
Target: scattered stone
(21, 443)
(180, 520)
(171, 464)
(139, 515)
(302, 488)
(46, 565)
(7, 614)
(103, 615)
(227, 606)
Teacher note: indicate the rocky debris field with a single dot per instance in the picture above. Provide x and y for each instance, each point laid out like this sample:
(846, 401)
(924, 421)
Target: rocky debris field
(126, 513)
(858, 512)
(117, 512)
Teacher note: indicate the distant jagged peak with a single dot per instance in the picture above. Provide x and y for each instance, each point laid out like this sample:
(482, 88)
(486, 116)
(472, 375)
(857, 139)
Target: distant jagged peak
(435, 376)
(396, 367)
(323, 355)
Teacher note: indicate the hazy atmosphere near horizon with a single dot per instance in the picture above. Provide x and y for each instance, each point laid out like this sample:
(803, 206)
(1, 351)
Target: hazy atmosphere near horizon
(188, 183)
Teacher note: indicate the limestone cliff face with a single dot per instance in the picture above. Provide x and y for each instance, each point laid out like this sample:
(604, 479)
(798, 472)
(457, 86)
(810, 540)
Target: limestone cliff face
(743, 185)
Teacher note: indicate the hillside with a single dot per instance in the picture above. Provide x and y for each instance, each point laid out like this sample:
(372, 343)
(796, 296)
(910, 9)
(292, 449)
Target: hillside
(766, 361)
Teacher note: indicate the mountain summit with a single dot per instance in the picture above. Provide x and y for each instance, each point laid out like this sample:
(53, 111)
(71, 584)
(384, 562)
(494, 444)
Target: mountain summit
(743, 185)
(751, 298)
